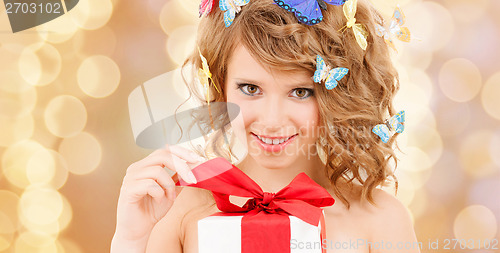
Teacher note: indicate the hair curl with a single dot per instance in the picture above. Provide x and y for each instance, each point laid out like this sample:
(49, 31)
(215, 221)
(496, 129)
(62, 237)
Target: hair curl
(360, 101)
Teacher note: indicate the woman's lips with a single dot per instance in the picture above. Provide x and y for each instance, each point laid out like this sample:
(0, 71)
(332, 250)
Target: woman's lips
(274, 147)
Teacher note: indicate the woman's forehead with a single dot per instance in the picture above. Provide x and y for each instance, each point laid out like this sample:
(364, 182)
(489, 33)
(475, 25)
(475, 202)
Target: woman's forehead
(244, 66)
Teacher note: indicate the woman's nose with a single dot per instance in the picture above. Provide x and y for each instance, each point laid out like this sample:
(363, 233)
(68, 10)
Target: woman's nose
(273, 113)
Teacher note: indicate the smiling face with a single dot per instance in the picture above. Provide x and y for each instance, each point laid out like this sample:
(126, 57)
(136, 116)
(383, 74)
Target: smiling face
(279, 109)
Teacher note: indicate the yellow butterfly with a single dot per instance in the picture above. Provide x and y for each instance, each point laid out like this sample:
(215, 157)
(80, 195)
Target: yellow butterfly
(359, 30)
(396, 29)
(204, 76)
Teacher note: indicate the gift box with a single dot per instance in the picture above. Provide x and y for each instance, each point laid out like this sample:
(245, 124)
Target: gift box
(222, 234)
(290, 220)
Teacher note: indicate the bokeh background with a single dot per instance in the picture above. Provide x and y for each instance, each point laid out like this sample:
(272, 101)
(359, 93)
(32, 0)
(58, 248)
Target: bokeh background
(66, 140)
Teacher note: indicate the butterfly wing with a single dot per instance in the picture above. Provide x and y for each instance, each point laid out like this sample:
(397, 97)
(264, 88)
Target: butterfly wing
(383, 132)
(335, 2)
(229, 16)
(396, 122)
(349, 8)
(224, 5)
(306, 11)
(380, 30)
(334, 76)
(361, 34)
(206, 7)
(398, 16)
(403, 34)
(241, 2)
(320, 69)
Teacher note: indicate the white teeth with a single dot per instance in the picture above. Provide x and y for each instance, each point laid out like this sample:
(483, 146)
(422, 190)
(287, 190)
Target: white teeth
(273, 141)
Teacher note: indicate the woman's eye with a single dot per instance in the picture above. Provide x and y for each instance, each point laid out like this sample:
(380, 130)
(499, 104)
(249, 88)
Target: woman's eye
(248, 89)
(302, 93)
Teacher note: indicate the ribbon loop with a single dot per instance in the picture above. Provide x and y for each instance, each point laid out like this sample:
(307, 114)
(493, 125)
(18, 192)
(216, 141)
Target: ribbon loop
(268, 197)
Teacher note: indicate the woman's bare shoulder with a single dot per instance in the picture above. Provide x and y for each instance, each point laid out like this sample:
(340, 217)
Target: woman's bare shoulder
(389, 221)
(168, 234)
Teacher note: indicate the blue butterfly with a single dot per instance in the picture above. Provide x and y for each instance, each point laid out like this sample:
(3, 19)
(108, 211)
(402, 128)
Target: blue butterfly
(307, 11)
(323, 72)
(393, 125)
(230, 8)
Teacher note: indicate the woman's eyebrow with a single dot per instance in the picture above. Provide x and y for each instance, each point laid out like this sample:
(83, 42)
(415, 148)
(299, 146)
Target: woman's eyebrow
(290, 85)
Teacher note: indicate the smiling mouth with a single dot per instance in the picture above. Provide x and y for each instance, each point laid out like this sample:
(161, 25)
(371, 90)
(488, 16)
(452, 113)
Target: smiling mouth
(273, 140)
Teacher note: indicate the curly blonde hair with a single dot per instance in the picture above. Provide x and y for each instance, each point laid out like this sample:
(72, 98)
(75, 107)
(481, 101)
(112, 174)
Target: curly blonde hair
(360, 101)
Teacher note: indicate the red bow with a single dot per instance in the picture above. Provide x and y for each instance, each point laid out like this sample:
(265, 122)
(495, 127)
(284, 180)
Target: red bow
(265, 226)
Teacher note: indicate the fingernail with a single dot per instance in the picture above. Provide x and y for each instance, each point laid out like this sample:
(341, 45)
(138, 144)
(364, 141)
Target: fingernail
(192, 178)
(201, 159)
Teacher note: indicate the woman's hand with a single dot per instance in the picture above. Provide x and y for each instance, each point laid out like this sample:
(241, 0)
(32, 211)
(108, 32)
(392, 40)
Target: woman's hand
(148, 192)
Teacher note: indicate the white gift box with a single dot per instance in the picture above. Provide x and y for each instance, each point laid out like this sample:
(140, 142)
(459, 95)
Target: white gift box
(222, 234)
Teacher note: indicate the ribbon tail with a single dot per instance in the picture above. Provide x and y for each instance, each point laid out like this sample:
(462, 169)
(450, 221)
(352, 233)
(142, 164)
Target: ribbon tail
(323, 232)
(271, 236)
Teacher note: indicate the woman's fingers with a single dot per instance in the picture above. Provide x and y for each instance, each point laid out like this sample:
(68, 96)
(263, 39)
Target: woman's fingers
(145, 187)
(158, 174)
(169, 160)
(185, 154)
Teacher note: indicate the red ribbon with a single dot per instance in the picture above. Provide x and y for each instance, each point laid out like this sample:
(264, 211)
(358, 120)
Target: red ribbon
(265, 226)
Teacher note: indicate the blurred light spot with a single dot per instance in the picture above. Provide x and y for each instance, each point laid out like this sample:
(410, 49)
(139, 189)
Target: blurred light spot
(466, 11)
(419, 204)
(5, 239)
(414, 160)
(13, 130)
(70, 246)
(447, 178)
(15, 159)
(40, 205)
(58, 30)
(16, 105)
(35, 242)
(40, 64)
(453, 117)
(98, 76)
(65, 116)
(490, 96)
(82, 152)
(485, 192)
(410, 56)
(427, 139)
(66, 215)
(12, 81)
(40, 168)
(181, 43)
(92, 14)
(431, 25)
(8, 212)
(60, 173)
(495, 148)
(474, 154)
(406, 189)
(174, 15)
(475, 223)
(460, 80)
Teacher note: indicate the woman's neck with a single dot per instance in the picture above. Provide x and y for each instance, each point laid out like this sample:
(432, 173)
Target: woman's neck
(274, 179)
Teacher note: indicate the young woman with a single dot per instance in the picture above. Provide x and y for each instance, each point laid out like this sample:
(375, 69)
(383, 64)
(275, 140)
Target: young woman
(264, 62)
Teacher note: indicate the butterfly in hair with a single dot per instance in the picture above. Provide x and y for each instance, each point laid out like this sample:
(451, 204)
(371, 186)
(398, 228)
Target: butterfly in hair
(396, 29)
(359, 30)
(230, 8)
(394, 125)
(206, 7)
(307, 11)
(330, 76)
